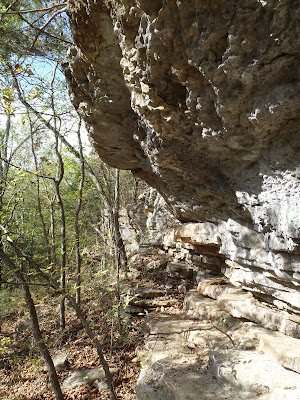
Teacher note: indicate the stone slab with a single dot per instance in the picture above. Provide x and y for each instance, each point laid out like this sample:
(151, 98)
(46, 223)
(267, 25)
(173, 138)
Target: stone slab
(84, 376)
(244, 305)
(189, 356)
(180, 270)
(284, 350)
(254, 370)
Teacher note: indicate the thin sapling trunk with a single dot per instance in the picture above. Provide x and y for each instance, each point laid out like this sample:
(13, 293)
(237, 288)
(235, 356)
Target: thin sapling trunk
(35, 325)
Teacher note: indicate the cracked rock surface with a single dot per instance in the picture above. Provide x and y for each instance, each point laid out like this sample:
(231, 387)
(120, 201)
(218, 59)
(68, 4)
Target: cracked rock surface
(201, 100)
(215, 356)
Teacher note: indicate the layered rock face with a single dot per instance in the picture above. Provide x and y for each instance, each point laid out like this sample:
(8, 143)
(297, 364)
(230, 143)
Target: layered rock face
(201, 100)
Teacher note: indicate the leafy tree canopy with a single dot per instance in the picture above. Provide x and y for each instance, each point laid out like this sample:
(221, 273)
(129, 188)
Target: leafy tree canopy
(34, 27)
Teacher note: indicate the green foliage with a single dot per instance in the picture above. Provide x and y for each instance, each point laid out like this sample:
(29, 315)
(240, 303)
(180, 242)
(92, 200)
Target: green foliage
(142, 358)
(27, 34)
(222, 320)
(29, 208)
(10, 302)
(4, 344)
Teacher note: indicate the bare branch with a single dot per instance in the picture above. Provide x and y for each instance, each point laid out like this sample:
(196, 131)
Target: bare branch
(44, 32)
(26, 283)
(17, 148)
(77, 231)
(38, 197)
(89, 169)
(41, 29)
(26, 170)
(7, 10)
(53, 7)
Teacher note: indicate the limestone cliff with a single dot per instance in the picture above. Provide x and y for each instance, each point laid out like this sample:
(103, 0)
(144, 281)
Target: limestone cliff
(201, 100)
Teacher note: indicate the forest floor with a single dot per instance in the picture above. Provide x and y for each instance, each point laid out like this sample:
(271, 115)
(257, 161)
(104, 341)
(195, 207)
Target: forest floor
(22, 372)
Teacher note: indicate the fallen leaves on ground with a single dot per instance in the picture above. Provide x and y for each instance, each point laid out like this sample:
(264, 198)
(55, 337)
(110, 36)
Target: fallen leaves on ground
(22, 372)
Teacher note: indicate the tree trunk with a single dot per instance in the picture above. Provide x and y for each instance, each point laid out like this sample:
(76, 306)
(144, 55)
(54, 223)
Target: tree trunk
(117, 237)
(35, 325)
(72, 302)
(120, 252)
(57, 182)
(63, 259)
(3, 176)
(96, 344)
(52, 235)
(38, 196)
(77, 232)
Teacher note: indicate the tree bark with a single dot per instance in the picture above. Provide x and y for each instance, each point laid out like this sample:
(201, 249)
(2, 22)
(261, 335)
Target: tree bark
(77, 231)
(3, 176)
(117, 237)
(38, 196)
(120, 252)
(35, 325)
(57, 182)
(72, 302)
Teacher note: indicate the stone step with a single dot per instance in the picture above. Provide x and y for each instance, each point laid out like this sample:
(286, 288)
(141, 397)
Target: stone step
(206, 354)
(180, 270)
(175, 362)
(147, 292)
(282, 349)
(255, 372)
(153, 303)
(244, 305)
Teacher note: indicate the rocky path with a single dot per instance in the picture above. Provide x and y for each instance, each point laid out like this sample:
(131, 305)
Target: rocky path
(214, 357)
(202, 352)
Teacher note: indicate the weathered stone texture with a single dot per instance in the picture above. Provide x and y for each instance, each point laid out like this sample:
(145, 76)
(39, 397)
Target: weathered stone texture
(201, 99)
(207, 354)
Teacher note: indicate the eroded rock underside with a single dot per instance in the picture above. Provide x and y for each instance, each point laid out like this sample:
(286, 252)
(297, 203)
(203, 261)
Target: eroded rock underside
(201, 100)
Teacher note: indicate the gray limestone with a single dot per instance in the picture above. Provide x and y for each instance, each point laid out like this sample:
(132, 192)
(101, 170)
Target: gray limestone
(180, 270)
(284, 350)
(209, 355)
(85, 376)
(242, 304)
(201, 100)
(61, 362)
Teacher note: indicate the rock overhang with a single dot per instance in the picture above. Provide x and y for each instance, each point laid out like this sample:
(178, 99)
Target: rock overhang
(202, 101)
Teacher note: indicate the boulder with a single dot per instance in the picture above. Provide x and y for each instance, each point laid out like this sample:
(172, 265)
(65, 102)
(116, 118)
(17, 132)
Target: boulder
(61, 362)
(85, 376)
(284, 350)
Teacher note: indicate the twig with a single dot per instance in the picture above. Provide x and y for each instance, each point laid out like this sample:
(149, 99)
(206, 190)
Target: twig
(204, 328)
(45, 33)
(225, 333)
(26, 170)
(41, 29)
(17, 148)
(26, 283)
(6, 12)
